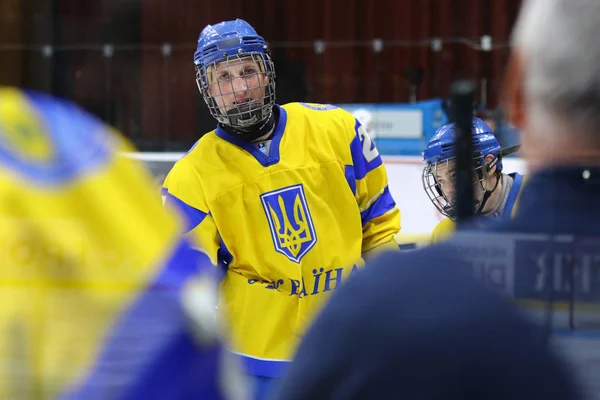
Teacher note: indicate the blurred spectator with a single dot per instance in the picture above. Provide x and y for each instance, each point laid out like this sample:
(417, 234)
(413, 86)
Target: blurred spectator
(414, 325)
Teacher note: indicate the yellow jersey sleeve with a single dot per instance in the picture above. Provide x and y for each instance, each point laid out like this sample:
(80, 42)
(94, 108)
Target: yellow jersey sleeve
(182, 192)
(368, 179)
(443, 230)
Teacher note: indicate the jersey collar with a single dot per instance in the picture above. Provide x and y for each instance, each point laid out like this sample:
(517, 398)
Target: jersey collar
(262, 158)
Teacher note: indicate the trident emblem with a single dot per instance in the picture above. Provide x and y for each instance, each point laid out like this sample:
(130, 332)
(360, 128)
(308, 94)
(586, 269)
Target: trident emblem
(290, 238)
(293, 233)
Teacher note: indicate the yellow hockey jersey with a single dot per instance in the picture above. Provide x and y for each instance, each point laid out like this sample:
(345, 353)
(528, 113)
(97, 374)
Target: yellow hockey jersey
(286, 227)
(446, 227)
(91, 265)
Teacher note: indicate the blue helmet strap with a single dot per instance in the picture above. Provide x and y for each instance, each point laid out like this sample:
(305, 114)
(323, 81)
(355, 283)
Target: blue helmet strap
(488, 193)
(492, 164)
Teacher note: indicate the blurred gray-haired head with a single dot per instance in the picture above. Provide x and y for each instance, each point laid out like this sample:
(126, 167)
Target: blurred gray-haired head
(559, 42)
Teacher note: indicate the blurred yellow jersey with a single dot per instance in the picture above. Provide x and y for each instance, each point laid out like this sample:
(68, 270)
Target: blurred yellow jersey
(443, 230)
(287, 223)
(446, 227)
(91, 266)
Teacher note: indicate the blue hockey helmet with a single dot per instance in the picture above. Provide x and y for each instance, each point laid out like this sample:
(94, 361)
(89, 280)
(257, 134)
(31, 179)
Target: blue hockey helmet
(441, 146)
(440, 153)
(235, 42)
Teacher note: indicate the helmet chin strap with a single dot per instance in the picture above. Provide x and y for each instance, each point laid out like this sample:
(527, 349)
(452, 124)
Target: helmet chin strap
(487, 195)
(450, 210)
(255, 131)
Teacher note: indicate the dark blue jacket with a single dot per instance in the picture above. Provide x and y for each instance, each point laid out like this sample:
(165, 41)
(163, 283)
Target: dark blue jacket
(418, 325)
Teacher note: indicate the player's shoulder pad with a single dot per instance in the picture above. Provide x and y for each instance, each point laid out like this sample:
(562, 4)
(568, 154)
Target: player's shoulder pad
(445, 224)
(443, 230)
(331, 113)
(316, 108)
(50, 141)
(204, 146)
(183, 169)
(207, 144)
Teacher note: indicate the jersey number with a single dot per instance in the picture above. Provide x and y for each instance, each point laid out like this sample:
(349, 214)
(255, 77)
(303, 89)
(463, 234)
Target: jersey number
(369, 153)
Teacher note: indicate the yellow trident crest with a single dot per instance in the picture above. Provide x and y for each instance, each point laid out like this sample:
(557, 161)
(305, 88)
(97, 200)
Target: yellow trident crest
(290, 238)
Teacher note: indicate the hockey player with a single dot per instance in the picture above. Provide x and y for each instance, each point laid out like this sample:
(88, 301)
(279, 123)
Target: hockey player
(94, 273)
(286, 200)
(496, 193)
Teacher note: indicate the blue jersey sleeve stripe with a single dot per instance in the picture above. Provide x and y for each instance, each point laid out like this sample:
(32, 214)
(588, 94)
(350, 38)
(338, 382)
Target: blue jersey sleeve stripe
(150, 349)
(361, 166)
(268, 368)
(383, 204)
(350, 178)
(193, 216)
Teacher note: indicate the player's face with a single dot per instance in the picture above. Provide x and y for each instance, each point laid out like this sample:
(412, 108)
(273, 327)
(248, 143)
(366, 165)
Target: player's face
(237, 83)
(445, 175)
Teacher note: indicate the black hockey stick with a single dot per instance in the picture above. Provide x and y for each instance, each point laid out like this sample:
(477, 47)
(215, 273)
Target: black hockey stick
(462, 94)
